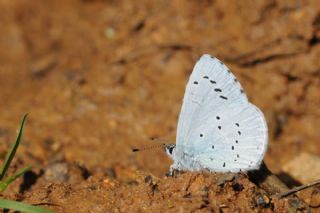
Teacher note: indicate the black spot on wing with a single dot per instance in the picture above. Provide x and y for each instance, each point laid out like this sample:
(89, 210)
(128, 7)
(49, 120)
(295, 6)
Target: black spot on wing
(195, 82)
(217, 90)
(223, 97)
(217, 117)
(206, 77)
(212, 82)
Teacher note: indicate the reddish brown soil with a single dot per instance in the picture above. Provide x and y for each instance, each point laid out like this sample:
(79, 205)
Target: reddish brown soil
(100, 77)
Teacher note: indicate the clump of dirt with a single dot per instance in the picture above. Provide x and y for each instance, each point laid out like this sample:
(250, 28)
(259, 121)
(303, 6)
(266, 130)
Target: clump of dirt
(101, 77)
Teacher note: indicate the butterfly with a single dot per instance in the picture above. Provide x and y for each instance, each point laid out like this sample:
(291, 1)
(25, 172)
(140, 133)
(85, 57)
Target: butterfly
(218, 130)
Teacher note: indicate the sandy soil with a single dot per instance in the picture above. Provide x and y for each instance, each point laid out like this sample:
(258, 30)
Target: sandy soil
(100, 77)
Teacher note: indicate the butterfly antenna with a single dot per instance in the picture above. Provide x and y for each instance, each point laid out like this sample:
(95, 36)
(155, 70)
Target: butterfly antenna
(165, 139)
(148, 148)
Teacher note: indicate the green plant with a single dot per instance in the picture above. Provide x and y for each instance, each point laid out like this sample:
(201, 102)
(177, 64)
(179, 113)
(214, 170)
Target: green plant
(15, 205)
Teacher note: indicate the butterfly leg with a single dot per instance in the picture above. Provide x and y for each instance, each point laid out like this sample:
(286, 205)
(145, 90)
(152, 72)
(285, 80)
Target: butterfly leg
(174, 170)
(170, 173)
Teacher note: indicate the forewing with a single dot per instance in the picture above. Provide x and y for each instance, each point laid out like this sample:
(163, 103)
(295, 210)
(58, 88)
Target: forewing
(210, 83)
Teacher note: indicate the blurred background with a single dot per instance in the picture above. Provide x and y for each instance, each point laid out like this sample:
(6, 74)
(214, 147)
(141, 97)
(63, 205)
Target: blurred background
(99, 77)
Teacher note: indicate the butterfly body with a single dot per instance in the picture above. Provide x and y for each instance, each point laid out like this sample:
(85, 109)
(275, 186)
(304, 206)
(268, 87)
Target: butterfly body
(218, 129)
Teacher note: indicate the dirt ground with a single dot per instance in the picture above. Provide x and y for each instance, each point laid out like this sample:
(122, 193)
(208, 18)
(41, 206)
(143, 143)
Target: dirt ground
(99, 77)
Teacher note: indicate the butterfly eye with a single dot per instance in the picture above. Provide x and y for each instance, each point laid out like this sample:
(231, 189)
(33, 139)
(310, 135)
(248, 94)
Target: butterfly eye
(171, 149)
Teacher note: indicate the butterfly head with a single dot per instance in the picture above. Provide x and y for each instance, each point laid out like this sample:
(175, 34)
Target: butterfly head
(170, 149)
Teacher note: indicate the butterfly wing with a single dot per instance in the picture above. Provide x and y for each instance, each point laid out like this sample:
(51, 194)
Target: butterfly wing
(210, 81)
(217, 126)
(232, 137)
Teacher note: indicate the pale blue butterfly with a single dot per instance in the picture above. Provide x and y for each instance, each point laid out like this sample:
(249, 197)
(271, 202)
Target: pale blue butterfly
(218, 129)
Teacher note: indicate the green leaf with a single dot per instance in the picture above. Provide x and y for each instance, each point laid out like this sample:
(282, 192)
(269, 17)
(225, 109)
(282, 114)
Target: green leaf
(13, 150)
(19, 206)
(6, 182)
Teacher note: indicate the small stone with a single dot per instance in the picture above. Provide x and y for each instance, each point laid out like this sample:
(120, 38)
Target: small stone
(305, 168)
(57, 172)
(107, 183)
